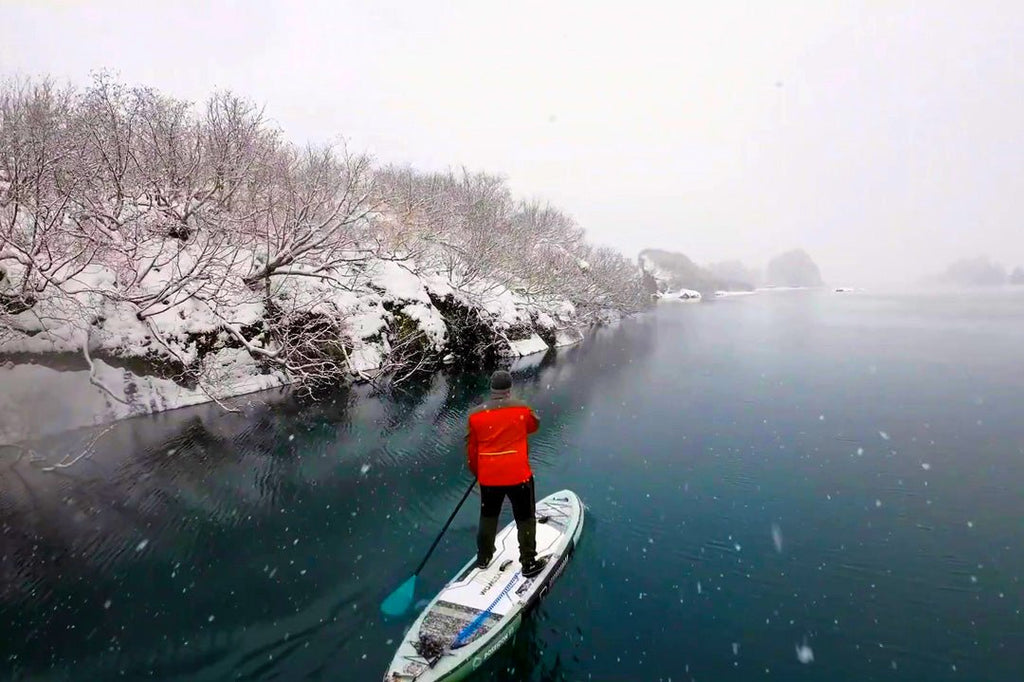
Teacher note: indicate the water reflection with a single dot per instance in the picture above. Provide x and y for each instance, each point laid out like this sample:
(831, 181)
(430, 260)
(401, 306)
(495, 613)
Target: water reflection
(201, 544)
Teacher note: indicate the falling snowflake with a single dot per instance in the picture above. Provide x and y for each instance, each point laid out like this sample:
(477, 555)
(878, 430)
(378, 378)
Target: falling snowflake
(804, 654)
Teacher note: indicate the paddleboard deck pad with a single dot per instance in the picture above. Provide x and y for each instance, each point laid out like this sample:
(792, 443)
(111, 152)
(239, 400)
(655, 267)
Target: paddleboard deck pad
(480, 609)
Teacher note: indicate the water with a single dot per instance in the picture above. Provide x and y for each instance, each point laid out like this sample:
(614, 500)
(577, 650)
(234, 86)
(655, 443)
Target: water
(790, 486)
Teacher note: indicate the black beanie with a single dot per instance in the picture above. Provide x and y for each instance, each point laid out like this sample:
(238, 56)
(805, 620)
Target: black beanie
(501, 381)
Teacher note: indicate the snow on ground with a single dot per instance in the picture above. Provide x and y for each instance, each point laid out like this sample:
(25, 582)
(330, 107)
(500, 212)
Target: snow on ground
(365, 359)
(232, 372)
(55, 324)
(545, 321)
(402, 285)
(505, 308)
(362, 310)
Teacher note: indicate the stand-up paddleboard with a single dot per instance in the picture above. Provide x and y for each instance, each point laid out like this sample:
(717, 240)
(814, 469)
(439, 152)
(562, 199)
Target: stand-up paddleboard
(480, 609)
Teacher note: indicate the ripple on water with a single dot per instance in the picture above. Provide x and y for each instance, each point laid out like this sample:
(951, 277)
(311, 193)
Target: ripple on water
(925, 581)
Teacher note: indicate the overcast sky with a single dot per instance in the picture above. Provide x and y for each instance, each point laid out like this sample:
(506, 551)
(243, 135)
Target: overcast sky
(886, 138)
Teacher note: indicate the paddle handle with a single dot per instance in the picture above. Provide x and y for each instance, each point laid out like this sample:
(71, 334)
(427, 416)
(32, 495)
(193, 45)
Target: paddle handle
(447, 523)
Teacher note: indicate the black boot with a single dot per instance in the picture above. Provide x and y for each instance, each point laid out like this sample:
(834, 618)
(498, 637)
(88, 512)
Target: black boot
(486, 533)
(528, 548)
(534, 567)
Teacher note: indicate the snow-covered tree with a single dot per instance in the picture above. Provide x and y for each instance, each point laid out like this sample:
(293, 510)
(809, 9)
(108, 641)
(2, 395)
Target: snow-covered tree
(130, 217)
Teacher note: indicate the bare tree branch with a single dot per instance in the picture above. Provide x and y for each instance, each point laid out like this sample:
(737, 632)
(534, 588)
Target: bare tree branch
(87, 451)
(93, 379)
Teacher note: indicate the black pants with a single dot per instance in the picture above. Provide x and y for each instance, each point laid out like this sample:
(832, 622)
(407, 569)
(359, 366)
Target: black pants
(524, 506)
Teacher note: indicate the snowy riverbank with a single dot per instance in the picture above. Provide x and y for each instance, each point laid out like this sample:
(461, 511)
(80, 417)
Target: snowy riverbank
(57, 377)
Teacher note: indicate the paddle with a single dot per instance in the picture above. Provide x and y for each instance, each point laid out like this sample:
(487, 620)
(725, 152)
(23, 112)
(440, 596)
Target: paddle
(398, 602)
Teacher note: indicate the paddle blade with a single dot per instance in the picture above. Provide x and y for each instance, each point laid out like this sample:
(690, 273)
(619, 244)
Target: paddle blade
(399, 601)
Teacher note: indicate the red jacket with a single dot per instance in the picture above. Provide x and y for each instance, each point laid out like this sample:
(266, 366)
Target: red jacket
(496, 442)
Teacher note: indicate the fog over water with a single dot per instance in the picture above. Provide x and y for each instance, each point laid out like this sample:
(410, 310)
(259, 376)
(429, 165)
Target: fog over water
(882, 138)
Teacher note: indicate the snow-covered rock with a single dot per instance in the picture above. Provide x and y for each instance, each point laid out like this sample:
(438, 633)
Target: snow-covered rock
(568, 337)
(404, 287)
(526, 363)
(528, 346)
(684, 295)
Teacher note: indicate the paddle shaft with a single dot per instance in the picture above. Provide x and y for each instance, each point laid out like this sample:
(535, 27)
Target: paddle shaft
(447, 523)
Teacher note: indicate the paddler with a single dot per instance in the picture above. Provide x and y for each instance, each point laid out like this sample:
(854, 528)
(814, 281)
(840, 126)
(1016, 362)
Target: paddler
(498, 454)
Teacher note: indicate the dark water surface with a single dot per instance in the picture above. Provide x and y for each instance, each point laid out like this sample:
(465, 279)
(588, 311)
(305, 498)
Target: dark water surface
(843, 473)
